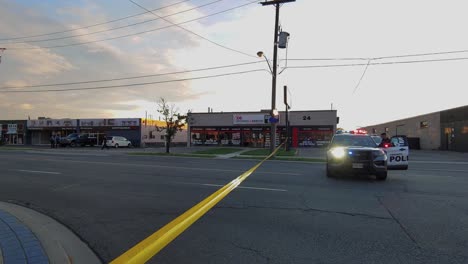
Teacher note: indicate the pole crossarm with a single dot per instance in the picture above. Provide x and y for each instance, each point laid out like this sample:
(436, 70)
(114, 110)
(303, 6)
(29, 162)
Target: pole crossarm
(274, 2)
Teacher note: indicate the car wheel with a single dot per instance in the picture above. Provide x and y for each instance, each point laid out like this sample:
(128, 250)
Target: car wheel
(116, 145)
(129, 145)
(72, 144)
(381, 176)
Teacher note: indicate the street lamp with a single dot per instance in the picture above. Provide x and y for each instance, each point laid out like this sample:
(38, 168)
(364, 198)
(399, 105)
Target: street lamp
(260, 54)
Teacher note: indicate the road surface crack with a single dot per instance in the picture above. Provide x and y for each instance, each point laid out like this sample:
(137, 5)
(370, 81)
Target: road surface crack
(257, 252)
(405, 230)
(307, 209)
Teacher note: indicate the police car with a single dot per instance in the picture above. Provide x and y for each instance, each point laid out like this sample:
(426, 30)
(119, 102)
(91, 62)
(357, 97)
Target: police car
(357, 153)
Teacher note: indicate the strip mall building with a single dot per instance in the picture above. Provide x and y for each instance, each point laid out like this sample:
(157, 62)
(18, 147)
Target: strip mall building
(252, 129)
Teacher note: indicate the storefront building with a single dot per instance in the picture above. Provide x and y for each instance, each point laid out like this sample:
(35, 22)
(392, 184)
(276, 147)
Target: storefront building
(252, 129)
(13, 132)
(41, 130)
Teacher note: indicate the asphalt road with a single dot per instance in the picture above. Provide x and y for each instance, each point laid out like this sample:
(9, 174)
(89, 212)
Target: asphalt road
(286, 212)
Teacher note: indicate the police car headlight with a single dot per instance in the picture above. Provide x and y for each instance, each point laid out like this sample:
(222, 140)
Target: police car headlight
(338, 153)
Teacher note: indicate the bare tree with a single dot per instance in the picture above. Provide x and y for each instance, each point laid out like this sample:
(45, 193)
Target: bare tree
(173, 121)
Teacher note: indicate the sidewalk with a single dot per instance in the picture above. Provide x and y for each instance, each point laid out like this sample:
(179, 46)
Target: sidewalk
(27, 236)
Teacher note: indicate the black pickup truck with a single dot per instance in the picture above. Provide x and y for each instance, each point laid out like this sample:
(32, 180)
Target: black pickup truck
(76, 139)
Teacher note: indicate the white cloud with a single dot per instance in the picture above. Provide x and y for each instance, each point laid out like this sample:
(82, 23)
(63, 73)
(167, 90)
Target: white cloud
(41, 61)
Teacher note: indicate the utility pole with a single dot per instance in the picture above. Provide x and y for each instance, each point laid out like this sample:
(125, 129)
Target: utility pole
(274, 111)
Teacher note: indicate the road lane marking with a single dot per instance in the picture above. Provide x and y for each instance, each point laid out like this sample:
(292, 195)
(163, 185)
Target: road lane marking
(438, 162)
(247, 187)
(150, 246)
(163, 166)
(66, 153)
(40, 172)
(440, 170)
(61, 188)
(240, 187)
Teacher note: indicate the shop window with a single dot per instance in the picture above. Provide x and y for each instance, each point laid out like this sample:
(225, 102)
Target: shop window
(423, 124)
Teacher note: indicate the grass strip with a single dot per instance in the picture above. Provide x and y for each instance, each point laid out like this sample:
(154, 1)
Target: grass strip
(266, 152)
(171, 154)
(218, 151)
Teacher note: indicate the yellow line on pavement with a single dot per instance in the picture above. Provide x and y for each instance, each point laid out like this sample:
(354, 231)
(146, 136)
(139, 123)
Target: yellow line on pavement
(150, 246)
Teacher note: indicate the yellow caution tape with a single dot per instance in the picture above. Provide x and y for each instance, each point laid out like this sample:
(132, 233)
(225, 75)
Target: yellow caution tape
(150, 246)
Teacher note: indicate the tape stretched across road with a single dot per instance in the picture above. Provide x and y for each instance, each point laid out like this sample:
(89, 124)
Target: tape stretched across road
(150, 246)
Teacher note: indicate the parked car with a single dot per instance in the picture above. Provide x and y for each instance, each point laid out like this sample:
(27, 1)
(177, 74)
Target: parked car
(117, 142)
(76, 139)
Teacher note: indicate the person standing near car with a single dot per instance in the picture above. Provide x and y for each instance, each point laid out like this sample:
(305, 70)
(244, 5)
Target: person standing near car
(385, 140)
(57, 140)
(104, 144)
(52, 141)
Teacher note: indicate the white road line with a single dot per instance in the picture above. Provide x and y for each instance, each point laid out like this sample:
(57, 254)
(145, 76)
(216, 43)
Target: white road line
(66, 153)
(42, 172)
(166, 166)
(240, 187)
(60, 188)
(246, 187)
(438, 162)
(440, 170)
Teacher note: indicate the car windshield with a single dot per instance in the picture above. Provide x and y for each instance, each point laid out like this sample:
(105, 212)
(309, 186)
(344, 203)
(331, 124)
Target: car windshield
(377, 139)
(352, 140)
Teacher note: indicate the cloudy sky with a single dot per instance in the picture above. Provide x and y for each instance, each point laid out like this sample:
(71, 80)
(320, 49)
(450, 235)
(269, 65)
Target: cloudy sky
(353, 33)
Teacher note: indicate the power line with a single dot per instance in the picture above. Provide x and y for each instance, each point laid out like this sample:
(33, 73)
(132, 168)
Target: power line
(383, 57)
(115, 28)
(131, 77)
(362, 76)
(375, 63)
(421, 54)
(191, 32)
(133, 84)
(94, 25)
(227, 66)
(134, 34)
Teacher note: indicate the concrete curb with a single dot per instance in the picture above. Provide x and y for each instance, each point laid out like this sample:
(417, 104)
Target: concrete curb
(60, 244)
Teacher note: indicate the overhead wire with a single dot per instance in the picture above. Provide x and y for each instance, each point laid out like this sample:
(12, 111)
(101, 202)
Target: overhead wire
(133, 84)
(375, 63)
(115, 28)
(362, 76)
(93, 25)
(130, 77)
(381, 58)
(224, 74)
(191, 32)
(133, 34)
